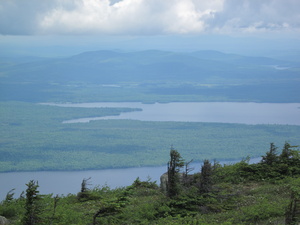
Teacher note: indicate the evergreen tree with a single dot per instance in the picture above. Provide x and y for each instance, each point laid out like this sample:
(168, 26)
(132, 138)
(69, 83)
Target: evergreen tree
(55, 199)
(289, 159)
(206, 177)
(271, 156)
(84, 185)
(287, 153)
(174, 165)
(84, 192)
(187, 170)
(32, 205)
(9, 196)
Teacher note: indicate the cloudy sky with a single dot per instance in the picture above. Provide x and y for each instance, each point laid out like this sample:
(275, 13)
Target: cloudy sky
(25, 20)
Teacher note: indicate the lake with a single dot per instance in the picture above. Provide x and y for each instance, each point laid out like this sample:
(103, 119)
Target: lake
(65, 182)
(223, 112)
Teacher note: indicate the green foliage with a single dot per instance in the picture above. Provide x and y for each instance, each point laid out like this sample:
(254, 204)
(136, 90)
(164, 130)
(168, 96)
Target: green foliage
(8, 210)
(136, 204)
(292, 211)
(240, 193)
(144, 184)
(9, 196)
(261, 210)
(32, 205)
(295, 187)
(272, 167)
(229, 201)
(85, 193)
(175, 164)
(229, 173)
(206, 177)
(271, 156)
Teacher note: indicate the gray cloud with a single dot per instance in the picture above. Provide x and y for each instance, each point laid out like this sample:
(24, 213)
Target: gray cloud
(22, 17)
(257, 16)
(147, 17)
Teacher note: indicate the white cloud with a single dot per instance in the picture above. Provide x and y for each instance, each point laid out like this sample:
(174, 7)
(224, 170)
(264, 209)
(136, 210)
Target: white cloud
(130, 16)
(148, 17)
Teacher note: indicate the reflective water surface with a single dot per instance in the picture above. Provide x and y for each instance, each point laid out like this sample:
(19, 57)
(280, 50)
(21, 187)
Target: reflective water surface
(224, 112)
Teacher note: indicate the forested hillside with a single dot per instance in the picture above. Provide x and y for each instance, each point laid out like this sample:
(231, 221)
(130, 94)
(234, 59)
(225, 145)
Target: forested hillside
(263, 193)
(150, 76)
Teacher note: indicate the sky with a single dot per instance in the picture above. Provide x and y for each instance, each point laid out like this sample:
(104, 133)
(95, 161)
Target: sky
(225, 25)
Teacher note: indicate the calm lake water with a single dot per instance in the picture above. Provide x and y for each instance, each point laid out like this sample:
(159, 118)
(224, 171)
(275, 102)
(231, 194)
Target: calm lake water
(225, 112)
(65, 182)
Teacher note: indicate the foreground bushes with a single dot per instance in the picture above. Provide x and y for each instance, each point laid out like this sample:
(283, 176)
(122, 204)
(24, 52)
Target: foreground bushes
(264, 193)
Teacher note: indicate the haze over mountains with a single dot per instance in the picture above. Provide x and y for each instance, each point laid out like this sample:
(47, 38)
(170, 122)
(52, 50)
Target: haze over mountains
(185, 73)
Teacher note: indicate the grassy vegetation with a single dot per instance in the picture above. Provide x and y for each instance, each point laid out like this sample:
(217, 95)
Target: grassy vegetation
(33, 137)
(240, 194)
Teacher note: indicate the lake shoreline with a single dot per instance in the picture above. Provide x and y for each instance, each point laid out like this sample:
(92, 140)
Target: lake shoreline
(68, 182)
(249, 113)
(230, 160)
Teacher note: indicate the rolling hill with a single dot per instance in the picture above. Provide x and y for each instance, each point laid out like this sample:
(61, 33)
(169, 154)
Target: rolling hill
(50, 78)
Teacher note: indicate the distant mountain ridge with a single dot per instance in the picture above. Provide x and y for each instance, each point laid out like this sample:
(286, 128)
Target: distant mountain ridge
(189, 69)
(111, 66)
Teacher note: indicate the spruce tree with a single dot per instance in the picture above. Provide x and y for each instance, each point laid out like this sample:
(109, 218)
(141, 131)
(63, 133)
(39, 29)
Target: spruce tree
(9, 196)
(271, 156)
(174, 165)
(84, 192)
(32, 206)
(205, 185)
